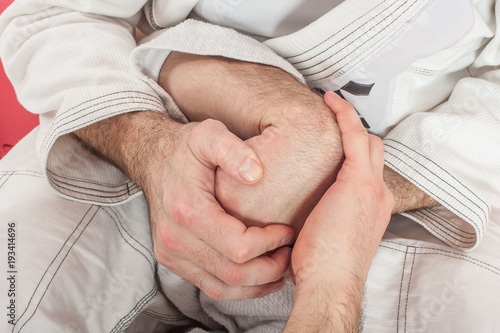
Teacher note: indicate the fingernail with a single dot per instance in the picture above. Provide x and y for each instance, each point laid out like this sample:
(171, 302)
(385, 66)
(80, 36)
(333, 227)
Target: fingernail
(250, 170)
(287, 240)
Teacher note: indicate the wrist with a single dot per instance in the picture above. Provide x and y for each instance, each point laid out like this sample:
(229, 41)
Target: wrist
(327, 306)
(334, 264)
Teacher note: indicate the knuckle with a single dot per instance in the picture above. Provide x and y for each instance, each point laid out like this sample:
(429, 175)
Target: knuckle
(159, 256)
(376, 143)
(239, 254)
(223, 146)
(199, 279)
(182, 213)
(213, 124)
(383, 197)
(170, 241)
(228, 148)
(200, 130)
(360, 130)
(376, 140)
(233, 275)
(162, 256)
(164, 260)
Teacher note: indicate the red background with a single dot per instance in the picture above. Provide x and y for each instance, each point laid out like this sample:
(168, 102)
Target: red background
(15, 121)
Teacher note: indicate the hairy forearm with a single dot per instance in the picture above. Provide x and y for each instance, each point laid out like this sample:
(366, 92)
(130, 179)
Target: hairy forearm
(249, 97)
(246, 97)
(340, 315)
(407, 196)
(289, 126)
(131, 141)
(330, 301)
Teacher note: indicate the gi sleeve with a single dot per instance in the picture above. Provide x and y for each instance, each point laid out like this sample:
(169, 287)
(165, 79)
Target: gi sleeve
(453, 153)
(71, 62)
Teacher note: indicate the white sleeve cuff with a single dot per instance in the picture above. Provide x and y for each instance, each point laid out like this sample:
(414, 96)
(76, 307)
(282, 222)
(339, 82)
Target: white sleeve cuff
(462, 216)
(195, 37)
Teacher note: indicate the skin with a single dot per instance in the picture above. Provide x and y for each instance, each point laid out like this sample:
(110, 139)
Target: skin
(192, 235)
(176, 166)
(291, 129)
(333, 252)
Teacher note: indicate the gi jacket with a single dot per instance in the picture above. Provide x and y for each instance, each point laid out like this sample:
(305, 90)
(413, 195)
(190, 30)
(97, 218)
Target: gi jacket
(423, 74)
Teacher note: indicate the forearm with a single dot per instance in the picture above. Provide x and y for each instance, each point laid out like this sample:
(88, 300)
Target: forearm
(327, 305)
(132, 141)
(330, 280)
(246, 97)
(407, 196)
(289, 126)
(249, 97)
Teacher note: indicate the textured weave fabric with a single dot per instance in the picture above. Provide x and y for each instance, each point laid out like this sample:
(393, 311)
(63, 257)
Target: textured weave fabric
(419, 90)
(88, 268)
(423, 75)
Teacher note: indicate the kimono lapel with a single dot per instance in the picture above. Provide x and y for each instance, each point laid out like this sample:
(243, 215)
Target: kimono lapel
(359, 48)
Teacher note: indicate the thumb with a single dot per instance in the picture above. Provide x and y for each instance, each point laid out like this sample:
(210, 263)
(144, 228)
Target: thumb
(215, 146)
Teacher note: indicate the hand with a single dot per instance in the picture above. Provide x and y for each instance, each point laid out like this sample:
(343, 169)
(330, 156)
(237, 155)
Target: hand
(300, 164)
(333, 252)
(192, 235)
(288, 125)
(353, 214)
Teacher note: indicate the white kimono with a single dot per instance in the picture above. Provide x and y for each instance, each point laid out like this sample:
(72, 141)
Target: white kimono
(423, 74)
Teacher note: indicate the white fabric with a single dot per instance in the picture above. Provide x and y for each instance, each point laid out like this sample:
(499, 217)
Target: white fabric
(262, 17)
(356, 43)
(88, 268)
(258, 17)
(441, 127)
(416, 54)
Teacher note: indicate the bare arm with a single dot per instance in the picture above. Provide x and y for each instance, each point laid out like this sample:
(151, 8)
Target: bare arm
(333, 252)
(175, 165)
(299, 141)
(246, 97)
(407, 196)
(289, 126)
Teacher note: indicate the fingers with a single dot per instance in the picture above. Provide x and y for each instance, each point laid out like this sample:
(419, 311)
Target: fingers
(237, 242)
(354, 135)
(218, 276)
(217, 244)
(258, 271)
(214, 145)
(217, 289)
(194, 236)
